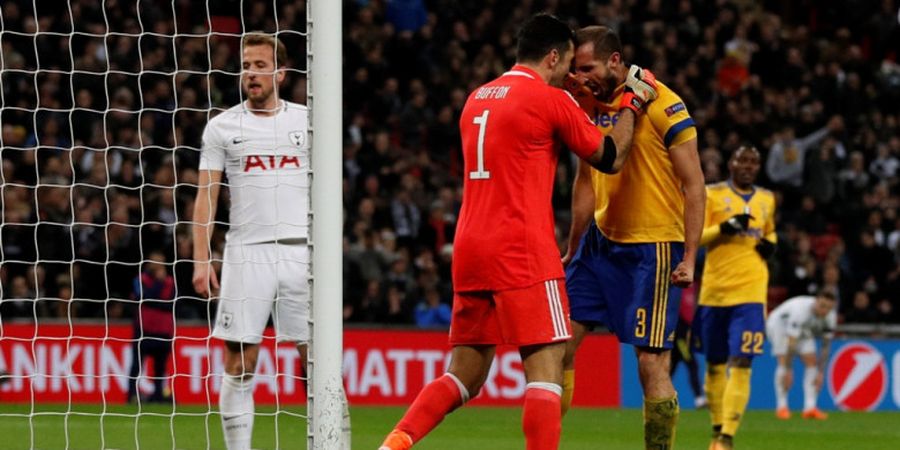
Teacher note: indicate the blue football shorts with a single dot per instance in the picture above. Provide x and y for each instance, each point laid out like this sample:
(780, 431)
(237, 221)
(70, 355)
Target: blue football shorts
(626, 287)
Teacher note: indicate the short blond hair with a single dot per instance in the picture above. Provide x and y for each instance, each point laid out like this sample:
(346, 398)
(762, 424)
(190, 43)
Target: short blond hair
(260, 38)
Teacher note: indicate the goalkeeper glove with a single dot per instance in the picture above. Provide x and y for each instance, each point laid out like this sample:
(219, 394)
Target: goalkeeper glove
(765, 248)
(640, 89)
(736, 224)
(581, 93)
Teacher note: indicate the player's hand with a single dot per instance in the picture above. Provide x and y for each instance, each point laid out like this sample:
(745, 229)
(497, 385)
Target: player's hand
(567, 258)
(736, 224)
(765, 248)
(640, 89)
(205, 280)
(581, 93)
(683, 275)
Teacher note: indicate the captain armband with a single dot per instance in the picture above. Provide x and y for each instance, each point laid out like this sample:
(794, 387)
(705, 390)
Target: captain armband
(609, 155)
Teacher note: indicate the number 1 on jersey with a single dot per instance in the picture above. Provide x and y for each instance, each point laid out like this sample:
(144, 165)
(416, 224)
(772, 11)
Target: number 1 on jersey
(481, 121)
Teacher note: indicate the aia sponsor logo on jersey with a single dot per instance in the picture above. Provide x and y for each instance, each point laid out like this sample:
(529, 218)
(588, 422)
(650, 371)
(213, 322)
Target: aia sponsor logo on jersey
(262, 163)
(857, 377)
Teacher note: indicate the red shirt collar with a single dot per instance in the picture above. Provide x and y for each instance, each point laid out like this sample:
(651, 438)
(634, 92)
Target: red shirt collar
(524, 69)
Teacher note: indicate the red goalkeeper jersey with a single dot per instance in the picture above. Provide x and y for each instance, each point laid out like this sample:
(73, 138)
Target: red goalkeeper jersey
(512, 131)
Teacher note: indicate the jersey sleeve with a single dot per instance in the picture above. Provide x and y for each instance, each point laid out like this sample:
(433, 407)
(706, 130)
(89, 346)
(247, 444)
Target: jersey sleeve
(769, 231)
(212, 149)
(573, 125)
(671, 119)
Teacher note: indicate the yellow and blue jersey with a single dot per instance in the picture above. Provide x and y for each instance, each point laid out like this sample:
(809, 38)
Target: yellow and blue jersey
(734, 272)
(643, 203)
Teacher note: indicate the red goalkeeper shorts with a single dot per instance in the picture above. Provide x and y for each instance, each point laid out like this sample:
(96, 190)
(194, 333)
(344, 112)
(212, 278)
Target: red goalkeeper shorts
(538, 314)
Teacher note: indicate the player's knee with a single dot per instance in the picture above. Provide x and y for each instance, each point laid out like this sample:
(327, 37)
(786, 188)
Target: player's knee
(714, 363)
(653, 363)
(246, 378)
(471, 382)
(569, 357)
(651, 358)
(740, 361)
(474, 387)
(239, 361)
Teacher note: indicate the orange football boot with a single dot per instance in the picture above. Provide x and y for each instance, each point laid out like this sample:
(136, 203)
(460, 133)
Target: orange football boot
(397, 440)
(783, 413)
(815, 414)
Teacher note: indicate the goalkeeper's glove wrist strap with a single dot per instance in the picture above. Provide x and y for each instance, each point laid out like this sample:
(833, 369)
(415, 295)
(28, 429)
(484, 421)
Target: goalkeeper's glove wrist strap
(631, 101)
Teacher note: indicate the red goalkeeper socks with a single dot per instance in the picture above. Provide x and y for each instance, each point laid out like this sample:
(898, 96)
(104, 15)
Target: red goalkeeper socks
(436, 400)
(542, 417)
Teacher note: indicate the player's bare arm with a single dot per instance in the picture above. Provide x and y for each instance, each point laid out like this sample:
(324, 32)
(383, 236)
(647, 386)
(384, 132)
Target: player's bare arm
(582, 208)
(617, 143)
(640, 90)
(204, 279)
(686, 164)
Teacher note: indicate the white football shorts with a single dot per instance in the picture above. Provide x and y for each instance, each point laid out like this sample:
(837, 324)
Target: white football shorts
(779, 340)
(259, 280)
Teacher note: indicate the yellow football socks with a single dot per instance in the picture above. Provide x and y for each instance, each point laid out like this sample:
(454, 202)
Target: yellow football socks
(660, 417)
(568, 390)
(737, 393)
(716, 378)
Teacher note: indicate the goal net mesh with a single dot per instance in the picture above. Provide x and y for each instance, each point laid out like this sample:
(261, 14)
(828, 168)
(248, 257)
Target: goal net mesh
(103, 340)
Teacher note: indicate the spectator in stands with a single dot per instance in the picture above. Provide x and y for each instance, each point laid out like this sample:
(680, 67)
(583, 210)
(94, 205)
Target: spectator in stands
(787, 155)
(154, 326)
(805, 83)
(19, 300)
(406, 15)
(885, 164)
(431, 312)
(369, 307)
(854, 179)
(396, 308)
(861, 311)
(822, 171)
(886, 312)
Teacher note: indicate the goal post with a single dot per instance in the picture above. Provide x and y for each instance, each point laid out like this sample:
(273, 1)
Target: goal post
(325, 101)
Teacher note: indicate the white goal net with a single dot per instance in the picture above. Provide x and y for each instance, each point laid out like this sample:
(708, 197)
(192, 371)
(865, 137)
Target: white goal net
(104, 343)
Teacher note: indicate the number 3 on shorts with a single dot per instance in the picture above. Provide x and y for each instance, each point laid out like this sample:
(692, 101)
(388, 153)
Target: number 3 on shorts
(640, 330)
(750, 339)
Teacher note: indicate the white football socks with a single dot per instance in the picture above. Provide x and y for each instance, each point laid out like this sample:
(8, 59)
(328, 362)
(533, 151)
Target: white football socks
(780, 391)
(809, 388)
(236, 409)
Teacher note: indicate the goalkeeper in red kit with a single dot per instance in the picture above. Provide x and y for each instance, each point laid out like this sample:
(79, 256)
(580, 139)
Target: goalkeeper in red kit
(507, 275)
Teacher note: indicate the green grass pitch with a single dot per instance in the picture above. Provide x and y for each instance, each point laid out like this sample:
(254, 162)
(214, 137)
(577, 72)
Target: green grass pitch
(473, 428)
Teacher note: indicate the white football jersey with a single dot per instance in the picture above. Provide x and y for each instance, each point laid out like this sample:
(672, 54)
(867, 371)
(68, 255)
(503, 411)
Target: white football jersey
(795, 318)
(266, 162)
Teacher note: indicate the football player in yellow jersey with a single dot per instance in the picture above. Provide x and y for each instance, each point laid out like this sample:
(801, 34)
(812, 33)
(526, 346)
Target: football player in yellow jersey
(730, 322)
(626, 267)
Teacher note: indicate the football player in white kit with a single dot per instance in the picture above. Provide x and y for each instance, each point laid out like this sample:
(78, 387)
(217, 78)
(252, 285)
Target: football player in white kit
(262, 146)
(792, 328)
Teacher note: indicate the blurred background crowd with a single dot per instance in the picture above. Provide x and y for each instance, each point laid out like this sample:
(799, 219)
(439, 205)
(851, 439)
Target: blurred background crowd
(99, 164)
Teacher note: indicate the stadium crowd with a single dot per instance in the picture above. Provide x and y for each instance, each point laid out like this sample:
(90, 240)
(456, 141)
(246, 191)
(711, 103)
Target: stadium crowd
(102, 173)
